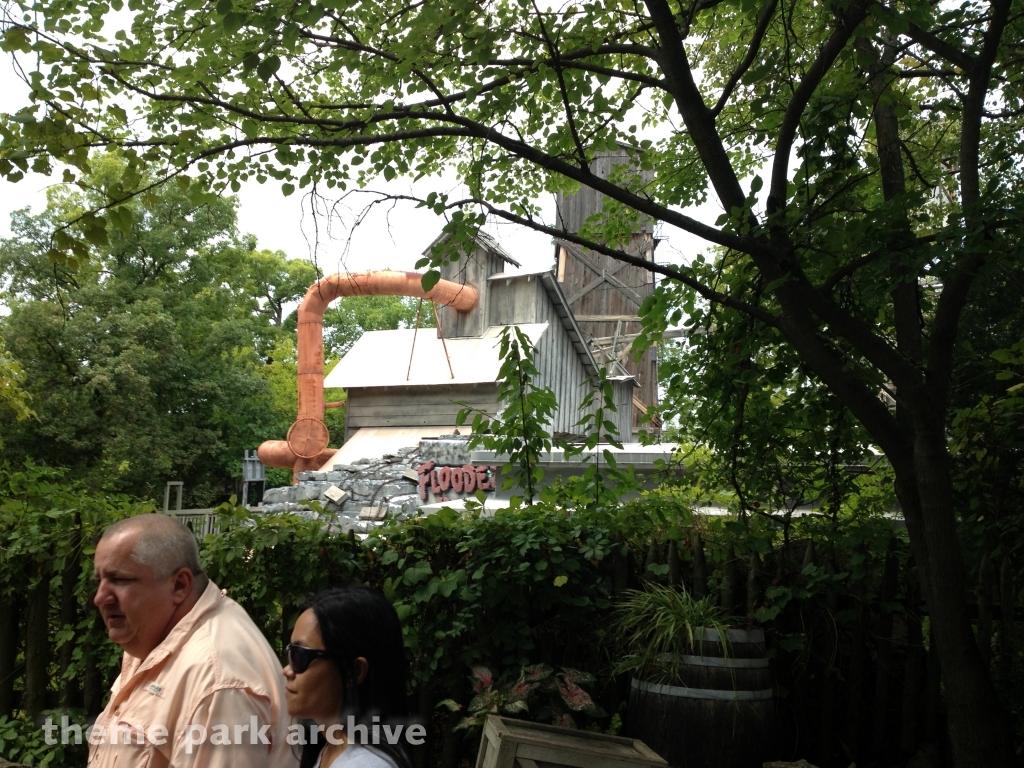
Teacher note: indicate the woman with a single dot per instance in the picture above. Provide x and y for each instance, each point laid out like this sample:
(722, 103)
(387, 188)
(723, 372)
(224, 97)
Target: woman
(346, 665)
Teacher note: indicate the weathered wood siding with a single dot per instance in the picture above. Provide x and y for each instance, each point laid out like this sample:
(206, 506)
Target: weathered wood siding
(472, 269)
(522, 299)
(514, 300)
(435, 406)
(575, 209)
(605, 294)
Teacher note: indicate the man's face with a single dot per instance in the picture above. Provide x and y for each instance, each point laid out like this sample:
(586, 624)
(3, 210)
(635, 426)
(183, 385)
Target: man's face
(136, 607)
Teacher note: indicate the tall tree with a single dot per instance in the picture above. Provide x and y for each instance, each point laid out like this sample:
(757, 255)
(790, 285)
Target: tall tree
(142, 363)
(889, 136)
(12, 394)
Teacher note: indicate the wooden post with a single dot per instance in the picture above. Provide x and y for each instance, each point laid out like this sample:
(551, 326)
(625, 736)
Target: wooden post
(914, 669)
(652, 559)
(70, 691)
(425, 710)
(93, 689)
(986, 575)
(37, 641)
(753, 584)
(1007, 628)
(883, 653)
(674, 568)
(729, 579)
(10, 609)
(700, 568)
(827, 721)
(620, 566)
(933, 695)
(855, 687)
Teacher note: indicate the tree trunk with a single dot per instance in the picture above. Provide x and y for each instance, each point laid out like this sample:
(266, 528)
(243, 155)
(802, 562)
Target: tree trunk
(979, 730)
(37, 642)
(10, 609)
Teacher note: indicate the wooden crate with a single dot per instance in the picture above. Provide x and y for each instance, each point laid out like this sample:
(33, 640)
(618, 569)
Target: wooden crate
(509, 743)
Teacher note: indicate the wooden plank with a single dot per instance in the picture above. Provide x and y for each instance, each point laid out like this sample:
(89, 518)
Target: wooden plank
(382, 412)
(439, 398)
(604, 275)
(607, 318)
(438, 392)
(426, 420)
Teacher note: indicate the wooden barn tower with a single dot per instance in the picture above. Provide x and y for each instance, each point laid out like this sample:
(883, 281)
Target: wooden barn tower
(605, 294)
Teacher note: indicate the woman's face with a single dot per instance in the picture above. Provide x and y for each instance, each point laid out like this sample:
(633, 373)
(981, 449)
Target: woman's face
(317, 692)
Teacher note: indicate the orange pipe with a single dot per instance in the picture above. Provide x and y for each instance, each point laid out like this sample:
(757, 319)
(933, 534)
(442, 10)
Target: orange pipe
(308, 437)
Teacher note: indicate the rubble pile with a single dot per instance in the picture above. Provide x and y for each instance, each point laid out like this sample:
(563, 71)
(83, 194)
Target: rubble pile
(362, 494)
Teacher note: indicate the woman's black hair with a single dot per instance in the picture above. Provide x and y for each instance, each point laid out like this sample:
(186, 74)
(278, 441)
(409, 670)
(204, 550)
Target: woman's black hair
(355, 620)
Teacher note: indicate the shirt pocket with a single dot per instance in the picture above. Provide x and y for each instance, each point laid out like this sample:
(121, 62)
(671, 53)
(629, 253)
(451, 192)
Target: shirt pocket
(125, 745)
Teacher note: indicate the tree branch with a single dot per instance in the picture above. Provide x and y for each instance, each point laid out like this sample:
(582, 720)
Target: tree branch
(855, 13)
(763, 20)
(940, 47)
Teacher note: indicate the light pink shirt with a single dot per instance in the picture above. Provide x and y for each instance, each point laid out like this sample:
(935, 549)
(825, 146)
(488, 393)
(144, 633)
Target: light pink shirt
(215, 668)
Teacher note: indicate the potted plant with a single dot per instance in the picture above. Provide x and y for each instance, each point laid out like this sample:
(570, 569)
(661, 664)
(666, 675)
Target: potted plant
(700, 693)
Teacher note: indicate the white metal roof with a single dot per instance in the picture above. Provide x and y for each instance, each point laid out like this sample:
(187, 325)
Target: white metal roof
(381, 358)
(375, 442)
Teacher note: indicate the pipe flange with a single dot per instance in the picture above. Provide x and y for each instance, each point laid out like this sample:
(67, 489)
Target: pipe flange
(307, 437)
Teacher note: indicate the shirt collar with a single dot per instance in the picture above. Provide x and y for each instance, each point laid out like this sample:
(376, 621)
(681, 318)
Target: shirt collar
(180, 632)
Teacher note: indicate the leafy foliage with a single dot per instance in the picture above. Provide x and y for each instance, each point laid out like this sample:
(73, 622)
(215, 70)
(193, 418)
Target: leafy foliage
(148, 362)
(26, 743)
(351, 316)
(538, 691)
(520, 431)
(272, 563)
(12, 395)
(867, 158)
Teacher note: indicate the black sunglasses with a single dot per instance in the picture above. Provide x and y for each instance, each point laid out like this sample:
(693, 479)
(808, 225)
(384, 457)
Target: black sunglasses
(300, 657)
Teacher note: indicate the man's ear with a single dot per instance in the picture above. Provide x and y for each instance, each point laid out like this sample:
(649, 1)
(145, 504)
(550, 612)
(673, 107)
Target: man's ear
(183, 582)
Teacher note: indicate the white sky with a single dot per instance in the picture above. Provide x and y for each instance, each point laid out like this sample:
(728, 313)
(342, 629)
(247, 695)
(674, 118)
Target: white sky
(394, 239)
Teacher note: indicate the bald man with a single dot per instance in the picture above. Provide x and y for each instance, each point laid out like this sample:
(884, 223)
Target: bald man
(200, 686)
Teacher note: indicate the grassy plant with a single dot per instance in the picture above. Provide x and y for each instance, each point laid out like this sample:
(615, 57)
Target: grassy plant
(656, 629)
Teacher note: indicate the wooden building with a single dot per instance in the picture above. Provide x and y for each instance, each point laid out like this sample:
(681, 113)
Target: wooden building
(605, 294)
(407, 384)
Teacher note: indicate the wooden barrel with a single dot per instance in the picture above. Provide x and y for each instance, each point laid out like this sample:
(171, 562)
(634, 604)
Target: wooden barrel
(718, 710)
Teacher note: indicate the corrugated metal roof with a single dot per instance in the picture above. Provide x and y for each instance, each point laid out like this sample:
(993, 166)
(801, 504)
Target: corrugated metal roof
(568, 319)
(381, 358)
(484, 240)
(375, 442)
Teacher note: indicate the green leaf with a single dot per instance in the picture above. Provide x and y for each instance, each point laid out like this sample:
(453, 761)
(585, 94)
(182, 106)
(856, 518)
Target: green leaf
(430, 279)
(268, 67)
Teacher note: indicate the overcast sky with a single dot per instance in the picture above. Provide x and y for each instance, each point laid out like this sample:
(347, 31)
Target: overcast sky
(392, 238)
